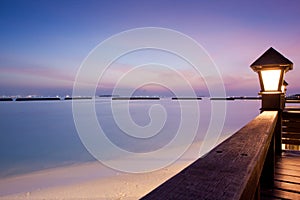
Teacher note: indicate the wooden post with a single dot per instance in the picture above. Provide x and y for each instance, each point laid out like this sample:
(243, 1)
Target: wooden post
(267, 176)
(275, 102)
(278, 135)
(257, 193)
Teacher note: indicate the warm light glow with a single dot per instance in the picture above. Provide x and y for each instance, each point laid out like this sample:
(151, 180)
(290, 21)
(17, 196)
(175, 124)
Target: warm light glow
(283, 89)
(270, 79)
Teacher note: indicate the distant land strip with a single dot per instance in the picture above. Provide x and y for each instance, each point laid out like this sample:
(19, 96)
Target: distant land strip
(6, 99)
(77, 98)
(186, 98)
(108, 95)
(136, 98)
(38, 99)
(235, 98)
(222, 98)
(116, 97)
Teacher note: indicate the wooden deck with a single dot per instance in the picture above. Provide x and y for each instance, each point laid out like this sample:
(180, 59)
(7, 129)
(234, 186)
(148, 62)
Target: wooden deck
(244, 165)
(287, 167)
(287, 178)
(291, 126)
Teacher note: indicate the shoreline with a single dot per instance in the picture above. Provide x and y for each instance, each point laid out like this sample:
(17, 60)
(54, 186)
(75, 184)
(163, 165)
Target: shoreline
(91, 180)
(85, 181)
(62, 175)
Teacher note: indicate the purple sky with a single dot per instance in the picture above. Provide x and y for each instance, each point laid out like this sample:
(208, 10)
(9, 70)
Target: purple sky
(43, 43)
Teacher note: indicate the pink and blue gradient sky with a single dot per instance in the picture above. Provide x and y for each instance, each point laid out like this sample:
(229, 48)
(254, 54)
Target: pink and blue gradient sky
(44, 42)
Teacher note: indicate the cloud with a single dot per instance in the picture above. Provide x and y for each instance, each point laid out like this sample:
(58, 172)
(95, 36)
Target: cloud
(35, 77)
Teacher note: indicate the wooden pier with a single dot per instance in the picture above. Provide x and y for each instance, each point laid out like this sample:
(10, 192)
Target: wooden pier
(291, 126)
(287, 167)
(287, 178)
(244, 166)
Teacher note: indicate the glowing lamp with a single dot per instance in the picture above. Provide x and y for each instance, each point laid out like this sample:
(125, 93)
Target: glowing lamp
(271, 68)
(271, 78)
(283, 87)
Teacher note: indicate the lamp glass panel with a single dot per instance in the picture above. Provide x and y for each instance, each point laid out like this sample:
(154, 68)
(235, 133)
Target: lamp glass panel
(283, 89)
(270, 79)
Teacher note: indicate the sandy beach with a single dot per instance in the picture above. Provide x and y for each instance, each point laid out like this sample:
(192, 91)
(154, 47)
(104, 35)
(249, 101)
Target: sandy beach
(84, 182)
(91, 180)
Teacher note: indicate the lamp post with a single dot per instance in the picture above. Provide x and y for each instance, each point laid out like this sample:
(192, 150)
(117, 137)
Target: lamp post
(271, 67)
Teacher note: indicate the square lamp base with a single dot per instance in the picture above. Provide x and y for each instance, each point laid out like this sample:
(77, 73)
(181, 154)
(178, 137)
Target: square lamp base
(272, 101)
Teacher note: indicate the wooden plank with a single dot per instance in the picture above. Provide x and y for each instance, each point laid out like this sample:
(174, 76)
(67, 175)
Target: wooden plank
(291, 115)
(279, 194)
(291, 135)
(287, 172)
(287, 178)
(291, 129)
(290, 155)
(291, 123)
(290, 118)
(288, 167)
(294, 124)
(289, 108)
(291, 147)
(282, 177)
(287, 186)
(288, 163)
(291, 141)
(230, 171)
(292, 110)
(292, 101)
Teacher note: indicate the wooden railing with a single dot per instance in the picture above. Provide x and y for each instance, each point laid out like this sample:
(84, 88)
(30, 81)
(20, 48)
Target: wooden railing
(291, 126)
(292, 101)
(232, 170)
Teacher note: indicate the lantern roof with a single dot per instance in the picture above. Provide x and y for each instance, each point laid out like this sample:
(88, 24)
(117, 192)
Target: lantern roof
(272, 58)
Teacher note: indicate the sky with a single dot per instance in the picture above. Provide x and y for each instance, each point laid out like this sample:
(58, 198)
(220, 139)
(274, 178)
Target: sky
(44, 43)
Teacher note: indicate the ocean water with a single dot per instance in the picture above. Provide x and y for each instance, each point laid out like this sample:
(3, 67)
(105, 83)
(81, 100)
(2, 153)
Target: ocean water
(41, 135)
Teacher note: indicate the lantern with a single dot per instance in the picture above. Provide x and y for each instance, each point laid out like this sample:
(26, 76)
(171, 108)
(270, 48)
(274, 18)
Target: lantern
(271, 68)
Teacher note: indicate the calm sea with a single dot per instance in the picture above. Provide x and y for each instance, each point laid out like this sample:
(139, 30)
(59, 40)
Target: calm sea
(39, 135)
